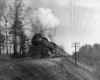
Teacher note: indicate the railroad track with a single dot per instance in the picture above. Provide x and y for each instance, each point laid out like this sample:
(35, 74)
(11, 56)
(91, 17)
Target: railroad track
(29, 58)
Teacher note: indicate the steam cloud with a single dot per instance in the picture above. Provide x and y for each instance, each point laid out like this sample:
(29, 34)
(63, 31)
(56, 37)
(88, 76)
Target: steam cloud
(43, 22)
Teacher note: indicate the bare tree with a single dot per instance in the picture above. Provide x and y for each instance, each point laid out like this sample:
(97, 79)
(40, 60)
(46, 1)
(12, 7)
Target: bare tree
(2, 11)
(18, 14)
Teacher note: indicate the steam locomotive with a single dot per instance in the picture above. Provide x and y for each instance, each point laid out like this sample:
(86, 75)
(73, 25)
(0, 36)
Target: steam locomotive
(41, 47)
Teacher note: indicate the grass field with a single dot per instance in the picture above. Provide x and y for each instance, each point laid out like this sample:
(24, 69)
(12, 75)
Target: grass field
(45, 69)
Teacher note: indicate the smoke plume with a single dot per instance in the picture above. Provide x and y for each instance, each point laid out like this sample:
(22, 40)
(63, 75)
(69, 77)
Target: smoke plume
(43, 22)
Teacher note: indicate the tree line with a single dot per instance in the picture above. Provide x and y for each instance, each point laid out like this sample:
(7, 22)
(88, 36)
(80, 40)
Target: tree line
(89, 51)
(14, 15)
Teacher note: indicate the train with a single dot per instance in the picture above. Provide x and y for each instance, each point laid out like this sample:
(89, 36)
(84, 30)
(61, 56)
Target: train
(42, 47)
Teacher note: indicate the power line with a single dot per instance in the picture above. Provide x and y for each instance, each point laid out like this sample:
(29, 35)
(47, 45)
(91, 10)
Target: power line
(88, 23)
(74, 21)
(77, 19)
(80, 28)
(71, 19)
(85, 28)
(92, 28)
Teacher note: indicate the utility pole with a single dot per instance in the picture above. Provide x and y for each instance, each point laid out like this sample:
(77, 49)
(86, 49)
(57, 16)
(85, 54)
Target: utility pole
(76, 44)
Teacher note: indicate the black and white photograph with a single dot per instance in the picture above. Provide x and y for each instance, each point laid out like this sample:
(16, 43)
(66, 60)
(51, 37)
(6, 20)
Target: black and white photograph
(49, 39)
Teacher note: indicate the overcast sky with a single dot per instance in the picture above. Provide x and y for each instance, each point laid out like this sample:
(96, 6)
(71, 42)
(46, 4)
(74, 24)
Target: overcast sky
(79, 20)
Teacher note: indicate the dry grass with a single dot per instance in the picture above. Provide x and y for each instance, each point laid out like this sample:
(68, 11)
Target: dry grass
(43, 69)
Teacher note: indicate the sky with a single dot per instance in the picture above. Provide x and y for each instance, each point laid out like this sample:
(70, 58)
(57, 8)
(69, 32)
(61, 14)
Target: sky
(79, 20)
